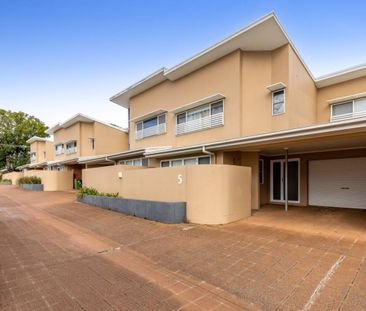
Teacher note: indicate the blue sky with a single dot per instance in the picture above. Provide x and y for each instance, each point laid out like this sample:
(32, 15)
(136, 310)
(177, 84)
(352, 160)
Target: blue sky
(60, 57)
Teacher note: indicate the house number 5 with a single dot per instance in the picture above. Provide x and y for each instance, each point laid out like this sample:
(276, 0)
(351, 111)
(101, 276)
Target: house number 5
(180, 179)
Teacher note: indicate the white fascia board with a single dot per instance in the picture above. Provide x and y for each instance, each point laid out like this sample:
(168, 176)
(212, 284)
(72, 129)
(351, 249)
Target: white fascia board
(200, 102)
(149, 115)
(276, 86)
(345, 98)
(341, 76)
(122, 98)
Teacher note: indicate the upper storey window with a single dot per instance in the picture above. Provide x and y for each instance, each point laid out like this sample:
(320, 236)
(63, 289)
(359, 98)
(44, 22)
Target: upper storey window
(33, 157)
(150, 127)
(278, 102)
(59, 149)
(200, 118)
(347, 110)
(71, 147)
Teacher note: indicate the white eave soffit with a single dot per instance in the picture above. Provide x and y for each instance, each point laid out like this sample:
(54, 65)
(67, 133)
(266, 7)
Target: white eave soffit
(198, 103)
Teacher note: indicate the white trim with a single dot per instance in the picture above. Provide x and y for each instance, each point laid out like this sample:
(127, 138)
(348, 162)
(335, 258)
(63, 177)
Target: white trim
(284, 102)
(37, 138)
(276, 87)
(206, 100)
(149, 115)
(346, 98)
(350, 115)
(282, 179)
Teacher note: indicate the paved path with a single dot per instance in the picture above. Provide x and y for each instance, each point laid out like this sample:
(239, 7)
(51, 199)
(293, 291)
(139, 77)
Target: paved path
(56, 254)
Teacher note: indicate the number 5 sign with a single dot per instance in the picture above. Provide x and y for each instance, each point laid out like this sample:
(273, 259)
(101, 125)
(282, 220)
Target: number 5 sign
(180, 179)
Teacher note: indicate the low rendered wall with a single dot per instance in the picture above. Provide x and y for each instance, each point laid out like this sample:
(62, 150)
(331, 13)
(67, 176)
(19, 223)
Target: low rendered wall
(214, 194)
(13, 176)
(53, 180)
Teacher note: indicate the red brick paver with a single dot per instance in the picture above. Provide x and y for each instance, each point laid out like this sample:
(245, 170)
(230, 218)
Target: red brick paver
(62, 255)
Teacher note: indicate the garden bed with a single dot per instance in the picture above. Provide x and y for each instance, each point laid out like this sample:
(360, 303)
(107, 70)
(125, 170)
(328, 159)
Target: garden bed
(7, 183)
(165, 212)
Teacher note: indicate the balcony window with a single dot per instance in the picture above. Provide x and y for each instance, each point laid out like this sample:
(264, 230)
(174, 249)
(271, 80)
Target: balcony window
(200, 118)
(150, 127)
(59, 149)
(348, 110)
(71, 147)
(186, 161)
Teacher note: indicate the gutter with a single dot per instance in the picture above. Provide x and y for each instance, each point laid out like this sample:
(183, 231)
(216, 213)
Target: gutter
(204, 151)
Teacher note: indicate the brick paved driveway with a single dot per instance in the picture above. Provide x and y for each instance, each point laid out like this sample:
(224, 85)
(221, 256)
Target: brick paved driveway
(56, 254)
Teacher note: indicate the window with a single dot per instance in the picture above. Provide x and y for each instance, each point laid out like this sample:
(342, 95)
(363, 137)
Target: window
(59, 149)
(261, 171)
(199, 118)
(186, 161)
(92, 140)
(33, 156)
(135, 162)
(150, 127)
(71, 147)
(278, 102)
(351, 109)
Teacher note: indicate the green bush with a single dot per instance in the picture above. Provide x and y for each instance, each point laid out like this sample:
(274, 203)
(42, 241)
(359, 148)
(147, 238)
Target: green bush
(30, 180)
(5, 180)
(92, 191)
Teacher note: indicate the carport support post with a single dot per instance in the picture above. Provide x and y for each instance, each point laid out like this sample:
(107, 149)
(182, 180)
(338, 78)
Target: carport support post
(286, 179)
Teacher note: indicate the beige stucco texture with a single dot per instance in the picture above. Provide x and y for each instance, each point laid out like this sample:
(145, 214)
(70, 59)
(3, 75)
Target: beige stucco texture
(13, 176)
(53, 180)
(214, 194)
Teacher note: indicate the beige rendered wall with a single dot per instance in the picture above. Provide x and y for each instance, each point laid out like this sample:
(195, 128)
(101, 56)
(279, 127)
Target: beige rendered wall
(221, 76)
(65, 135)
(109, 140)
(53, 180)
(87, 131)
(343, 89)
(214, 193)
(13, 176)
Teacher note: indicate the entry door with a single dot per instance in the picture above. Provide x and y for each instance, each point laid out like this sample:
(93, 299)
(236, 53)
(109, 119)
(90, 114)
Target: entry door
(278, 180)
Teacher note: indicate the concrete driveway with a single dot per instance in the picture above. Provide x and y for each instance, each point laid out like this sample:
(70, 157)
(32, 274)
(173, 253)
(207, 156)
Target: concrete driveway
(56, 254)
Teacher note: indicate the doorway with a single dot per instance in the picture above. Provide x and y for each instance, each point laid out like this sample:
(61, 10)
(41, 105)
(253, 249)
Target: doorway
(278, 181)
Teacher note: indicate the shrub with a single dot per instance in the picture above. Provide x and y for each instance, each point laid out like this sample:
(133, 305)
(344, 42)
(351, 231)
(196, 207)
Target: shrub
(5, 180)
(29, 180)
(92, 191)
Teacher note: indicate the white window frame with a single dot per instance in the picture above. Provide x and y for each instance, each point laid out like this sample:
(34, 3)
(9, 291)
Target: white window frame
(282, 178)
(62, 149)
(284, 101)
(72, 149)
(198, 108)
(33, 156)
(134, 160)
(157, 124)
(261, 171)
(349, 115)
(187, 158)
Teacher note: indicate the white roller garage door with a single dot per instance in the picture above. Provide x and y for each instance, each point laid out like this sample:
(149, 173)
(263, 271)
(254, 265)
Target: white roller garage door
(338, 183)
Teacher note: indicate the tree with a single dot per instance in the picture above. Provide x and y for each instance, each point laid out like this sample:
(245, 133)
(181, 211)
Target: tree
(15, 129)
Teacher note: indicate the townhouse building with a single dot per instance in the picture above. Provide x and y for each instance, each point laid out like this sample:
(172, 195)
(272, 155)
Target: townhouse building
(250, 100)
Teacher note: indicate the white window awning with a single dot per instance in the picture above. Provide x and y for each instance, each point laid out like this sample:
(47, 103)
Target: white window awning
(199, 102)
(345, 98)
(149, 115)
(276, 87)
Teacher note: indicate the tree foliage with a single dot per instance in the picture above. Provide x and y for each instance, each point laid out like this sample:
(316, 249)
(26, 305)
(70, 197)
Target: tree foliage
(15, 129)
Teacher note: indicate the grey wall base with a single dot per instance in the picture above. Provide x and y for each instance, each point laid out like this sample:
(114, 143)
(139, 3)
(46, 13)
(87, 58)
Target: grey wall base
(32, 187)
(165, 212)
(8, 183)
